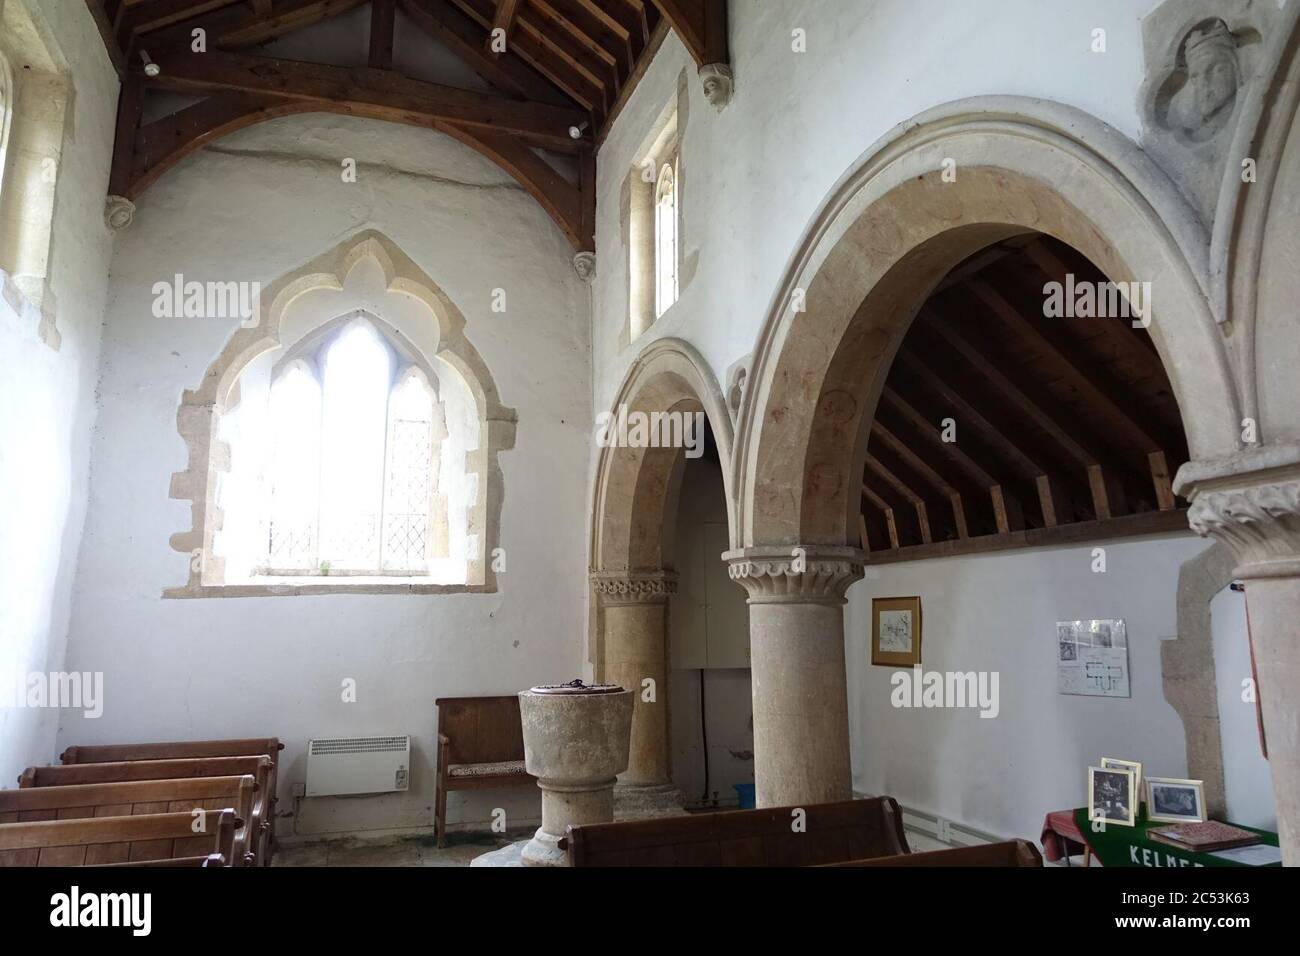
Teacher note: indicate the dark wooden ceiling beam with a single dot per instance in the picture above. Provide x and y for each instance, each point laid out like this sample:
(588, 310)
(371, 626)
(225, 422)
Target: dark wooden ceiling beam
(465, 38)
(504, 21)
(383, 18)
(576, 86)
(887, 510)
(701, 25)
(104, 24)
(923, 469)
(589, 32)
(902, 488)
(361, 91)
(1106, 491)
(241, 26)
(622, 23)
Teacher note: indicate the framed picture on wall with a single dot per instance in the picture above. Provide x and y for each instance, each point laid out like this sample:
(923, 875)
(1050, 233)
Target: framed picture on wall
(1171, 800)
(896, 631)
(1112, 796)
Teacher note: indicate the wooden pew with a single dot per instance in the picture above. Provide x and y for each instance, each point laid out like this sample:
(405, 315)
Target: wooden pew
(832, 832)
(269, 747)
(480, 747)
(1010, 853)
(149, 837)
(99, 800)
(136, 770)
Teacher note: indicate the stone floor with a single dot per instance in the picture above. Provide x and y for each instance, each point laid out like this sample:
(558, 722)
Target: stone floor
(394, 851)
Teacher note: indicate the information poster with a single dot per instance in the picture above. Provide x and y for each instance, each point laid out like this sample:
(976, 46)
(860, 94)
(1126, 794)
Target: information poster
(1092, 658)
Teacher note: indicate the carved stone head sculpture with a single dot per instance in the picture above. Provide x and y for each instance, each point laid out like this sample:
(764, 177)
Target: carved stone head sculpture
(1209, 55)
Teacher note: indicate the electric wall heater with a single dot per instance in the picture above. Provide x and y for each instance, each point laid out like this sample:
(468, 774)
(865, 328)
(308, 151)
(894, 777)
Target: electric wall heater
(343, 765)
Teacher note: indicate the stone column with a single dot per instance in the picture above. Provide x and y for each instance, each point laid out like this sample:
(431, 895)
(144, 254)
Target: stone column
(635, 641)
(796, 636)
(1251, 503)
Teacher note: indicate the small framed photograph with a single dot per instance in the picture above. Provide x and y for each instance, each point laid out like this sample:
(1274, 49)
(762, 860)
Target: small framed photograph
(1112, 796)
(1112, 763)
(896, 631)
(1171, 800)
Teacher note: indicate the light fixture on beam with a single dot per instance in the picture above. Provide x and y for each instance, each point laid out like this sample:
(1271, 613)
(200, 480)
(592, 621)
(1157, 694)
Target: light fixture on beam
(151, 69)
(575, 132)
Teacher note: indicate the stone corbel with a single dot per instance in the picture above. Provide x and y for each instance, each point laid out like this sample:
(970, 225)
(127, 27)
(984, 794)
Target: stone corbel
(813, 574)
(119, 212)
(719, 84)
(584, 264)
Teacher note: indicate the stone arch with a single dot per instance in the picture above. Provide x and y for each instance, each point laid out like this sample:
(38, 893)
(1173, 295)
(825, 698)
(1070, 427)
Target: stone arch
(889, 232)
(635, 487)
(442, 340)
(631, 555)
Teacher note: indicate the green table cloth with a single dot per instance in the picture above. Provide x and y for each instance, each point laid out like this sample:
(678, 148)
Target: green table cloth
(1118, 845)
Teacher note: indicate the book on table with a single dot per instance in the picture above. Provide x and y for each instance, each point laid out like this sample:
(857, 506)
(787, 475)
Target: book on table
(1204, 837)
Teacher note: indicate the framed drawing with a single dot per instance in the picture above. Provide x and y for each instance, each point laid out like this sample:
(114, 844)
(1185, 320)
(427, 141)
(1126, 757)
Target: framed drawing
(896, 631)
(1171, 800)
(1112, 796)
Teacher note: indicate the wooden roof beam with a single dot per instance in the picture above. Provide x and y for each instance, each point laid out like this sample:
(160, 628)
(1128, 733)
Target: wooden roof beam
(503, 21)
(702, 27)
(450, 26)
(383, 16)
(364, 92)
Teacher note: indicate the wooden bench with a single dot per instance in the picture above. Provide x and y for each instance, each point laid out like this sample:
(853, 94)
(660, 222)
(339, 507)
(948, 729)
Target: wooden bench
(100, 800)
(480, 747)
(269, 747)
(150, 837)
(1009, 853)
(831, 832)
(137, 770)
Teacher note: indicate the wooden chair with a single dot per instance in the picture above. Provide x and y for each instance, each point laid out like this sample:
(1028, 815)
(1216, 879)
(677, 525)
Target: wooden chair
(136, 770)
(1010, 853)
(148, 837)
(98, 800)
(831, 832)
(480, 747)
(269, 747)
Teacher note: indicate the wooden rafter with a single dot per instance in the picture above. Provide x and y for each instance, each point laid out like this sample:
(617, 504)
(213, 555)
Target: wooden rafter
(702, 26)
(504, 19)
(383, 18)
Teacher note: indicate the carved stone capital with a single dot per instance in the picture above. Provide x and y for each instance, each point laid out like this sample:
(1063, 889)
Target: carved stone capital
(719, 83)
(815, 574)
(1254, 510)
(584, 264)
(634, 587)
(119, 212)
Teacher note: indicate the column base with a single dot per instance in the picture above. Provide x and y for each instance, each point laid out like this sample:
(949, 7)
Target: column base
(511, 855)
(639, 802)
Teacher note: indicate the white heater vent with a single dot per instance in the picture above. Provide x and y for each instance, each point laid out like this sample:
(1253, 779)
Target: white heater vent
(349, 765)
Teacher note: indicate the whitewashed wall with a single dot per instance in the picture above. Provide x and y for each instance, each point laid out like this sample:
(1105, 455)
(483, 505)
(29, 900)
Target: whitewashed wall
(998, 613)
(754, 174)
(47, 396)
(256, 206)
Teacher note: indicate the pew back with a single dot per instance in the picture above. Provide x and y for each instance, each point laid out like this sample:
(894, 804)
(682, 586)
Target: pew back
(1015, 853)
(122, 839)
(831, 832)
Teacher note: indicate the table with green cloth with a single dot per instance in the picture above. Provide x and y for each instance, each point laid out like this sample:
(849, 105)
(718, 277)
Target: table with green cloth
(1118, 845)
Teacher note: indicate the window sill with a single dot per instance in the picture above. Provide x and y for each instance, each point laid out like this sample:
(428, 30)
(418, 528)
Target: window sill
(320, 586)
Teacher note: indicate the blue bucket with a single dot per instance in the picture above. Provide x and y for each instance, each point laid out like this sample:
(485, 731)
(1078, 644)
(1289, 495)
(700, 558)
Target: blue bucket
(745, 791)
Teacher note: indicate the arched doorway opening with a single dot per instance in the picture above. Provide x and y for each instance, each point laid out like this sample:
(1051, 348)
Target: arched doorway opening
(667, 415)
(930, 197)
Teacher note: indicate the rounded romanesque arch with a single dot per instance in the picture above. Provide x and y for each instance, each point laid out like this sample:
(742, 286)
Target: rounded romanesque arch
(636, 487)
(930, 194)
